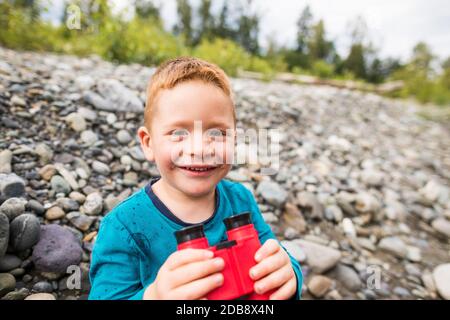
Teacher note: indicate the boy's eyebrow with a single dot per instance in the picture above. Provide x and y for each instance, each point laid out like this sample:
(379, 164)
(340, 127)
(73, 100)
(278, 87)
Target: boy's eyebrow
(184, 123)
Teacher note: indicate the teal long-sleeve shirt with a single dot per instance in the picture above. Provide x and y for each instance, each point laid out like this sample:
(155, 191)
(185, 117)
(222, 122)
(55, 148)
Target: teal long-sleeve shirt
(137, 237)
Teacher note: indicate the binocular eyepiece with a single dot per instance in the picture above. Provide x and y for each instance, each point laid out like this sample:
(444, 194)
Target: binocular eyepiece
(196, 231)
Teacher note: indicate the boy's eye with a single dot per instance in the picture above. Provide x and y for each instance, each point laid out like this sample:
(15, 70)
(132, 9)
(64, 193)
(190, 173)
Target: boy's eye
(178, 134)
(215, 133)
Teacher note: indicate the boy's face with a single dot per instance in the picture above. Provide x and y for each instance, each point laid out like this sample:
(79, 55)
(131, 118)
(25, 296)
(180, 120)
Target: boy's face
(192, 137)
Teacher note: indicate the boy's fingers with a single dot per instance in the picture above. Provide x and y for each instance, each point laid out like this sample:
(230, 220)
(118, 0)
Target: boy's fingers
(286, 291)
(198, 288)
(196, 270)
(185, 256)
(267, 266)
(274, 280)
(268, 248)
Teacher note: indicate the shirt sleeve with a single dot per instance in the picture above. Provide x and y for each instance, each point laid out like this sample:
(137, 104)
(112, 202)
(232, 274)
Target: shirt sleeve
(266, 233)
(114, 271)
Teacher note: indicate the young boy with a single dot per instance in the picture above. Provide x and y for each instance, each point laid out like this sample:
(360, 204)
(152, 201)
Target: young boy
(189, 132)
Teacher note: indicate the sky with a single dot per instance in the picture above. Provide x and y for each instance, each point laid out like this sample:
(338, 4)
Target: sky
(394, 26)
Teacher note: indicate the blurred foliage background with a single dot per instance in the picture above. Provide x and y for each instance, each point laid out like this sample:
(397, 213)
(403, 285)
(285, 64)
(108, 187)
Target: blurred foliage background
(229, 38)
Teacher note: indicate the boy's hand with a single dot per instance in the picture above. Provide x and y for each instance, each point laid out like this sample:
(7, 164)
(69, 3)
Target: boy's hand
(274, 271)
(186, 275)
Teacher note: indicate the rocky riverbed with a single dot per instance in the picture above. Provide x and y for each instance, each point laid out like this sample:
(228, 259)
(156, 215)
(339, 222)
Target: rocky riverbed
(360, 197)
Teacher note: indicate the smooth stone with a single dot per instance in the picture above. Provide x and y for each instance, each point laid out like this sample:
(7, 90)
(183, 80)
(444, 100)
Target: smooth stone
(18, 101)
(5, 161)
(60, 185)
(42, 286)
(441, 276)
(76, 121)
(136, 153)
(4, 234)
(77, 196)
(20, 294)
(35, 206)
(365, 202)
(41, 296)
(89, 137)
(100, 167)
(394, 246)
(130, 179)
(319, 285)
(67, 176)
(44, 152)
(13, 207)
(293, 217)
(11, 185)
(295, 250)
(124, 137)
(93, 204)
(334, 213)
(272, 192)
(47, 172)
(7, 283)
(310, 205)
(319, 257)
(81, 221)
(68, 204)
(9, 262)
(57, 249)
(54, 213)
(442, 226)
(114, 96)
(347, 276)
(24, 232)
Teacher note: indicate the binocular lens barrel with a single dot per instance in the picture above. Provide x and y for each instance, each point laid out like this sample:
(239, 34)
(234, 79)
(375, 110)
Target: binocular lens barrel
(189, 233)
(237, 221)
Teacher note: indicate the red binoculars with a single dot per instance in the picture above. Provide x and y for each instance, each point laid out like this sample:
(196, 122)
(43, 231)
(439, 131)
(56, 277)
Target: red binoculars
(237, 252)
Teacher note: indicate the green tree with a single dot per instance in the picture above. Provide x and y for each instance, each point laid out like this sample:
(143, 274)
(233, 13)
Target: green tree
(184, 25)
(304, 30)
(248, 28)
(147, 9)
(206, 29)
(318, 46)
(223, 28)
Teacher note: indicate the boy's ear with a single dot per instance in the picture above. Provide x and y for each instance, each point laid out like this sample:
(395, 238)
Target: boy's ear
(146, 143)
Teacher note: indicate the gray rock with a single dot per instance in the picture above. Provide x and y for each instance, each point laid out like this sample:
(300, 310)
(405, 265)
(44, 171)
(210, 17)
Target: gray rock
(11, 185)
(20, 294)
(124, 137)
(114, 96)
(68, 204)
(93, 204)
(67, 176)
(319, 285)
(136, 153)
(60, 185)
(45, 153)
(24, 232)
(4, 234)
(35, 206)
(7, 283)
(57, 249)
(394, 246)
(347, 276)
(89, 137)
(310, 205)
(334, 213)
(9, 262)
(5, 161)
(295, 250)
(100, 167)
(43, 286)
(441, 276)
(41, 296)
(365, 202)
(272, 192)
(81, 221)
(442, 226)
(13, 207)
(76, 122)
(320, 258)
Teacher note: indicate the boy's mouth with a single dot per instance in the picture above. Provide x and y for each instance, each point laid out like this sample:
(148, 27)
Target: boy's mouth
(198, 170)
